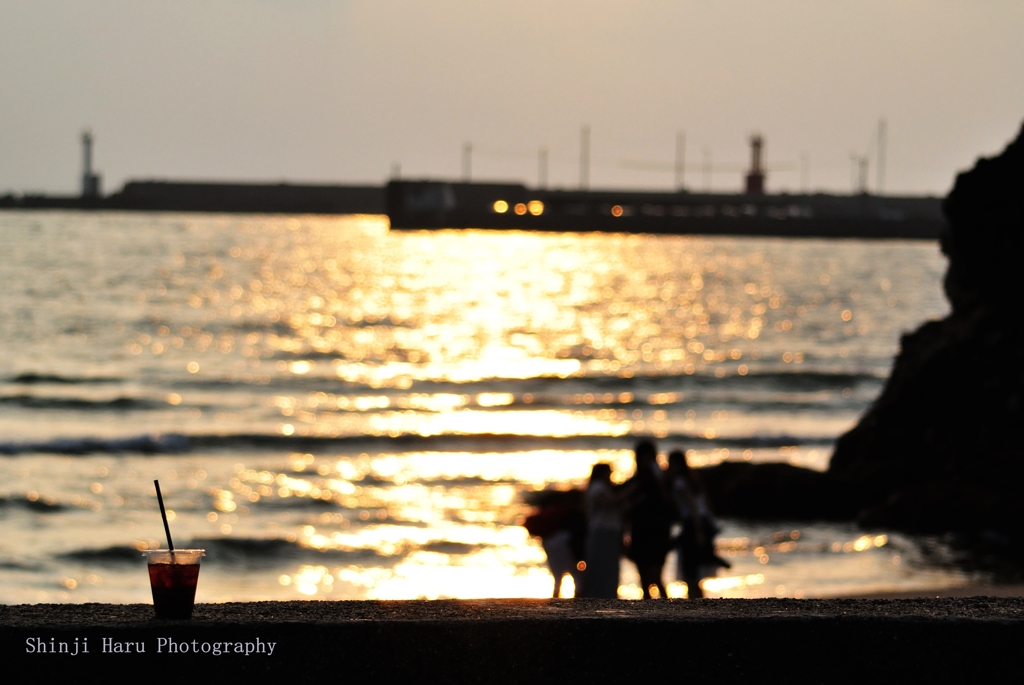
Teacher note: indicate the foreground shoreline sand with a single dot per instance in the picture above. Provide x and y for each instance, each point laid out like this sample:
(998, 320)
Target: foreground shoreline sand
(956, 591)
(833, 640)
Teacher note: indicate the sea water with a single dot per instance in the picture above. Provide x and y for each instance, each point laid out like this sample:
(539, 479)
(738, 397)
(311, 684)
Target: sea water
(336, 410)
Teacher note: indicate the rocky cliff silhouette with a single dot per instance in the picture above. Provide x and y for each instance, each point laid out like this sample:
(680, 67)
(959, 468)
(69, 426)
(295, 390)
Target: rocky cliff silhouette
(941, 449)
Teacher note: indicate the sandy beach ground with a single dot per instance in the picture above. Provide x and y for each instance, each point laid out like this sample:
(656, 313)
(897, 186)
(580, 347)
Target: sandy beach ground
(968, 590)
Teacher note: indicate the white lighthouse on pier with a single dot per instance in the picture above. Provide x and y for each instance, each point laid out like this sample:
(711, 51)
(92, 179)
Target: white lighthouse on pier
(755, 179)
(91, 182)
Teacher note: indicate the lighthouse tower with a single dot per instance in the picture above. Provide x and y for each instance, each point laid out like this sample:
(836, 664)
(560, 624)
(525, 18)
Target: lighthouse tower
(91, 182)
(755, 179)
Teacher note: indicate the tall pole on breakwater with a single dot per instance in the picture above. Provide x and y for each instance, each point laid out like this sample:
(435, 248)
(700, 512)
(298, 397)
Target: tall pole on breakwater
(584, 157)
(859, 173)
(680, 159)
(90, 180)
(707, 170)
(755, 179)
(467, 162)
(880, 162)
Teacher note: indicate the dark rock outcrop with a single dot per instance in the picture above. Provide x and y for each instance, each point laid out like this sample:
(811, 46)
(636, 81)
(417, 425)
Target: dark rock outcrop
(777, 492)
(941, 448)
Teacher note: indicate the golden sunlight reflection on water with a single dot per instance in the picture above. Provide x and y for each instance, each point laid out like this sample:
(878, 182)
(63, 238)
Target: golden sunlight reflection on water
(465, 306)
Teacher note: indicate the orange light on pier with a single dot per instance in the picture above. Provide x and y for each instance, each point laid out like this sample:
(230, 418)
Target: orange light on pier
(520, 209)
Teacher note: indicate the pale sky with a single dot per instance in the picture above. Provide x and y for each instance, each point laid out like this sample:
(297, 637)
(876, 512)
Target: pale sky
(339, 91)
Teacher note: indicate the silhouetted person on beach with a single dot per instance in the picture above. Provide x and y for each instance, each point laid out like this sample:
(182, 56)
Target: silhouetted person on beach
(560, 523)
(649, 519)
(696, 543)
(604, 534)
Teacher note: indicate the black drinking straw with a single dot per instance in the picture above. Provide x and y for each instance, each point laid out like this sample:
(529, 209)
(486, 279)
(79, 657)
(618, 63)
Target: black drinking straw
(163, 512)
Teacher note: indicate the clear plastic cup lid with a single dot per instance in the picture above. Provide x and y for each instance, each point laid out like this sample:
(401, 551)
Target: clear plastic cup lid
(178, 556)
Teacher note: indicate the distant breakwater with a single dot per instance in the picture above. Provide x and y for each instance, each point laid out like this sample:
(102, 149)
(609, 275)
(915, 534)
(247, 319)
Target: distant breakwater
(194, 196)
(431, 204)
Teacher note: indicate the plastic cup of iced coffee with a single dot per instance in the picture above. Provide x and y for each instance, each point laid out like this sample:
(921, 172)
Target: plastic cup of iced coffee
(173, 575)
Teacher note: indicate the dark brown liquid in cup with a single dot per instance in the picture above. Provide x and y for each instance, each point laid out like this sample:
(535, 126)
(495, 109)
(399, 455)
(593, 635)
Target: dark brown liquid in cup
(174, 589)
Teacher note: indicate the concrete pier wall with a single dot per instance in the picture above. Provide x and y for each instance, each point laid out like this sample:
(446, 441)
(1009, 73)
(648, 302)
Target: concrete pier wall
(524, 641)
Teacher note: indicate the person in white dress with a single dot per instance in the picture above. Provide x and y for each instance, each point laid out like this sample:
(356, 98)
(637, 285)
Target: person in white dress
(605, 505)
